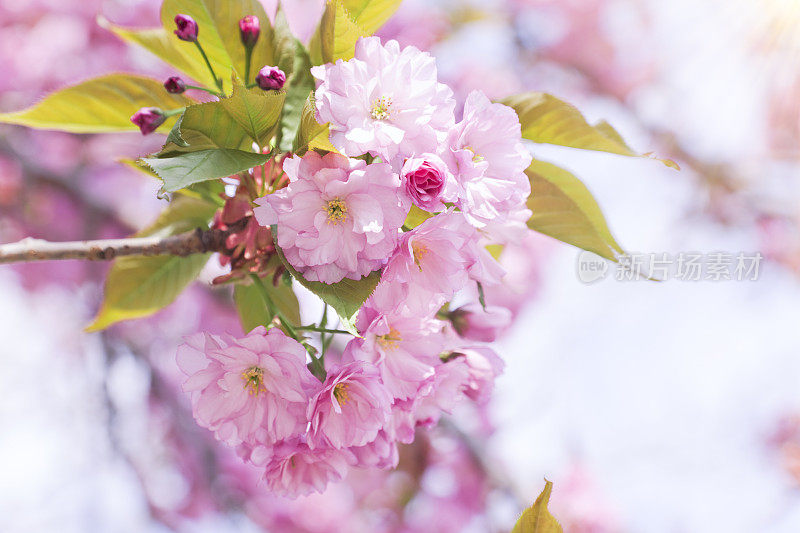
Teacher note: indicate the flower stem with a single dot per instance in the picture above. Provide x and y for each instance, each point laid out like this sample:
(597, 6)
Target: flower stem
(323, 330)
(217, 80)
(209, 91)
(173, 112)
(273, 309)
(248, 54)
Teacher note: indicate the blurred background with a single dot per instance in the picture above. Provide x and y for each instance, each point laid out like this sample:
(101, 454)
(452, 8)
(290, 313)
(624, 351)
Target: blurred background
(653, 407)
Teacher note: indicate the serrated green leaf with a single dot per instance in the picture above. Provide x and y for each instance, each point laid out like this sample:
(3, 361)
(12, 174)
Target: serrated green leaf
(546, 119)
(345, 297)
(99, 105)
(184, 169)
(298, 88)
(336, 35)
(218, 22)
(252, 310)
(162, 44)
(255, 110)
(311, 134)
(536, 518)
(138, 286)
(564, 209)
(283, 45)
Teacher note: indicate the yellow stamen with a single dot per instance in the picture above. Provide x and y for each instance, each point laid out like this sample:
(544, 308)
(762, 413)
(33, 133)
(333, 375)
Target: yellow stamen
(341, 394)
(390, 340)
(476, 157)
(381, 108)
(419, 251)
(254, 380)
(337, 211)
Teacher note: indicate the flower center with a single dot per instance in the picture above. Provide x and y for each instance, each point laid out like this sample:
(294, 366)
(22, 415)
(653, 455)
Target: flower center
(390, 340)
(381, 108)
(341, 394)
(337, 211)
(254, 380)
(476, 157)
(419, 251)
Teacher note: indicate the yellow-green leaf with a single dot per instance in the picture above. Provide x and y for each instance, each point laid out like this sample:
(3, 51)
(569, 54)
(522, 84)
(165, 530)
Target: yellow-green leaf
(298, 88)
(138, 286)
(564, 209)
(536, 518)
(311, 134)
(256, 110)
(205, 127)
(162, 44)
(336, 35)
(99, 105)
(546, 119)
(218, 22)
(416, 216)
(253, 311)
(370, 15)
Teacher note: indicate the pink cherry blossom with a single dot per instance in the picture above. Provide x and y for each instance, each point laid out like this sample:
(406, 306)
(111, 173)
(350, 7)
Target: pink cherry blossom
(350, 409)
(483, 366)
(441, 392)
(338, 217)
(252, 389)
(427, 182)
(380, 453)
(473, 322)
(488, 159)
(385, 101)
(404, 348)
(436, 259)
(293, 469)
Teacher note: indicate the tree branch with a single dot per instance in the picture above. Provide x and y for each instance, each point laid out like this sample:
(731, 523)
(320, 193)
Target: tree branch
(197, 242)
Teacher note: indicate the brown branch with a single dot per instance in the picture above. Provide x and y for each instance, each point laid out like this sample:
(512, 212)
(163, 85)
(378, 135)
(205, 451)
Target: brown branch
(197, 242)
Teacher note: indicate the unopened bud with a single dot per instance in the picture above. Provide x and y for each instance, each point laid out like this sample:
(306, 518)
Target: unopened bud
(473, 322)
(271, 78)
(148, 119)
(249, 30)
(174, 85)
(187, 28)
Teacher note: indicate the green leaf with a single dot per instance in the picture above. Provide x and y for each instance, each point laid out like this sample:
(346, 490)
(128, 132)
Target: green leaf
(138, 286)
(370, 15)
(99, 105)
(546, 119)
(205, 127)
(336, 35)
(311, 134)
(536, 518)
(298, 88)
(284, 45)
(252, 310)
(416, 216)
(163, 44)
(255, 110)
(184, 169)
(218, 22)
(564, 209)
(346, 297)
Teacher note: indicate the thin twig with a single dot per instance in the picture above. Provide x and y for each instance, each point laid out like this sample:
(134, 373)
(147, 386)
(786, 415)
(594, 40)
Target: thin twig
(196, 242)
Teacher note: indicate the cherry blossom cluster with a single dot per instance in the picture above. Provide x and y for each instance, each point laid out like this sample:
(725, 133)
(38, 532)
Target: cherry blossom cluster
(345, 214)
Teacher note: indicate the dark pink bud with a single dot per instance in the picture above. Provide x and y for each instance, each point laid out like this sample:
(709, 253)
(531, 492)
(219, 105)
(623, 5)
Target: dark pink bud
(249, 30)
(473, 322)
(187, 28)
(271, 78)
(148, 119)
(174, 85)
(424, 180)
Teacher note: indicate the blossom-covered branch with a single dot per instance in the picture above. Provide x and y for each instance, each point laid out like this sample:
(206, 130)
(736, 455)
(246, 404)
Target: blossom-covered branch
(196, 242)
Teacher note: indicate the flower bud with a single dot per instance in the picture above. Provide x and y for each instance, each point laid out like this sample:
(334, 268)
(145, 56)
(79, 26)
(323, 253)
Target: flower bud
(424, 179)
(174, 85)
(270, 78)
(148, 119)
(472, 322)
(187, 28)
(249, 30)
